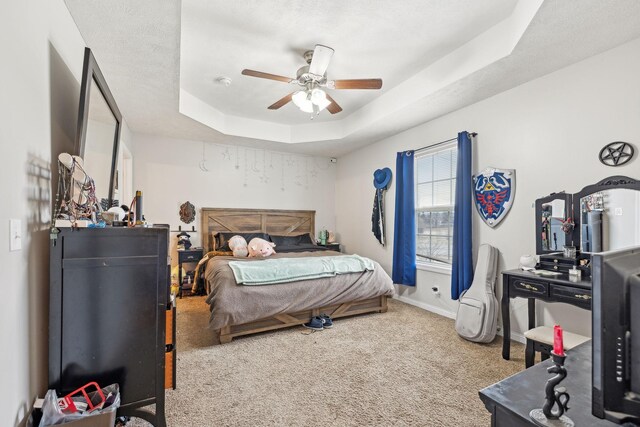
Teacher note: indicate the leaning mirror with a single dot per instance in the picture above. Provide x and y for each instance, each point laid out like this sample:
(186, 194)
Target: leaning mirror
(609, 215)
(98, 136)
(551, 213)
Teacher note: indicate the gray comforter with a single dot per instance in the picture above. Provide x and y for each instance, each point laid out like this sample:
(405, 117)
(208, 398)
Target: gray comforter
(233, 304)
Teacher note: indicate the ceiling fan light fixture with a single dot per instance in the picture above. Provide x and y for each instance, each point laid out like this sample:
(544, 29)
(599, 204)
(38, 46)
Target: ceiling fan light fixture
(317, 96)
(311, 78)
(307, 107)
(302, 101)
(322, 102)
(299, 98)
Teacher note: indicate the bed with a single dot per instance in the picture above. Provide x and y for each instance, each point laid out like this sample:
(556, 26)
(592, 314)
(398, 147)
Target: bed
(241, 310)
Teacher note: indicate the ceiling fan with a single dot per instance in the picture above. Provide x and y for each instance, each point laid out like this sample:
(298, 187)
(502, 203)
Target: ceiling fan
(312, 79)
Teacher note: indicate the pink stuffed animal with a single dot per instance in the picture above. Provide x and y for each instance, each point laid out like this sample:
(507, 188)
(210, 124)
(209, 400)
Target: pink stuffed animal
(260, 248)
(239, 246)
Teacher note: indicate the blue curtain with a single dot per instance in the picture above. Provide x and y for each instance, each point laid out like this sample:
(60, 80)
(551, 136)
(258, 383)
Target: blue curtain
(404, 236)
(462, 269)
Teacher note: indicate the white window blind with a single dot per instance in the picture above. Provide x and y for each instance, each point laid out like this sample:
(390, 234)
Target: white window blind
(435, 199)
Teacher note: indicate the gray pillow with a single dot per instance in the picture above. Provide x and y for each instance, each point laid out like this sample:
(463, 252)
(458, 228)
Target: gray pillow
(300, 239)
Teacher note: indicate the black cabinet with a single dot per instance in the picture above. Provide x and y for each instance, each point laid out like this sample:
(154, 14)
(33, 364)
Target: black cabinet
(331, 246)
(187, 256)
(108, 302)
(510, 400)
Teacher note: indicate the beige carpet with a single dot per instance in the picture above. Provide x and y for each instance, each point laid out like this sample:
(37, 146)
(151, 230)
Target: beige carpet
(406, 367)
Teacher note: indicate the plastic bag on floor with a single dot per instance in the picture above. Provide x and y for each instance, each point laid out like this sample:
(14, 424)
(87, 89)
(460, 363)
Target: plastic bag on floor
(53, 414)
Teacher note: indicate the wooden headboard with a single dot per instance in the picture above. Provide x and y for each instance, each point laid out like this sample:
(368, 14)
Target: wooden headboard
(272, 221)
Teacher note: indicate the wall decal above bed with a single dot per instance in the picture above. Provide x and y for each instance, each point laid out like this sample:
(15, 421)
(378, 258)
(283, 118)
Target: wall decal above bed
(494, 191)
(255, 166)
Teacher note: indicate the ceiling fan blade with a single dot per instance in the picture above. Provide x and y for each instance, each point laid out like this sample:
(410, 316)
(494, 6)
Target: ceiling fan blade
(262, 75)
(358, 84)
(281, 102)
(320, 61)
(333, 108)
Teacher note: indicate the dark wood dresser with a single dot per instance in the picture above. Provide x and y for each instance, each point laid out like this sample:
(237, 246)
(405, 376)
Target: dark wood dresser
(108, 318)
(510, 400)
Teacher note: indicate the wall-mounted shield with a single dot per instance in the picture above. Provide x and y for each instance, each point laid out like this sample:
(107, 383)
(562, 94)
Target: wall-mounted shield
(494, 191)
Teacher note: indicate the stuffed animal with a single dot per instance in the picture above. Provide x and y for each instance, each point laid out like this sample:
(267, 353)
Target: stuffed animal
(260, 248)
(183, 241)
(239, 246)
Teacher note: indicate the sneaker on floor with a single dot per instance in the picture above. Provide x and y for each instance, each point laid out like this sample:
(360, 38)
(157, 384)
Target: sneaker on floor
(326, 321)
(315, 323)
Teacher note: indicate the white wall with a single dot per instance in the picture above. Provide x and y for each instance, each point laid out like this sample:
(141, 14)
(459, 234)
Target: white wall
(168, 173)
(549, 130)
(42, 55)
(42, 52)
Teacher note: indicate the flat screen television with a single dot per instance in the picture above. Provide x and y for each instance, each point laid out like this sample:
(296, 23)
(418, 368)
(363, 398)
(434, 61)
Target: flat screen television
(616, 335)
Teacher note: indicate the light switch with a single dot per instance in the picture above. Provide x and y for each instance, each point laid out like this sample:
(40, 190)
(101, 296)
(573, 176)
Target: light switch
(15, 235)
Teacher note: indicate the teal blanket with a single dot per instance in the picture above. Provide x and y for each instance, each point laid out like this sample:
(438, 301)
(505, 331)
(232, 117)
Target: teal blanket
(283, 270)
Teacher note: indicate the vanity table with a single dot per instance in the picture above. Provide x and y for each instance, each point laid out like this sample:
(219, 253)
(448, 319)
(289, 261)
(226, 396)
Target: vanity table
(601, 217)
(524, 284)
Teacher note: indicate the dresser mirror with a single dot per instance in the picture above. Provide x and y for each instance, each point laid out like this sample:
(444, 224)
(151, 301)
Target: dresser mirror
(98, 134)
(551, 212)
(608, 215)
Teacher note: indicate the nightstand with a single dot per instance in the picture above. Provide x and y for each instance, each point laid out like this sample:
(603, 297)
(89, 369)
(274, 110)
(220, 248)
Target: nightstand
(331, 246)
(187, 256)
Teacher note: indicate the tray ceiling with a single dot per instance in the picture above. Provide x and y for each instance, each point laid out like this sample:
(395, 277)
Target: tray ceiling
(161, 60)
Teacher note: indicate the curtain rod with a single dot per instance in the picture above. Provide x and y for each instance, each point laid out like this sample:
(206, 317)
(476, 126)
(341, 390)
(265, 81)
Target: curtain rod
(443, 142)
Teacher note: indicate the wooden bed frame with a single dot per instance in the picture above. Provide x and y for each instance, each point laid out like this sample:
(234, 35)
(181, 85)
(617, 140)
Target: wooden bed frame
(272, 221)
(278, 222)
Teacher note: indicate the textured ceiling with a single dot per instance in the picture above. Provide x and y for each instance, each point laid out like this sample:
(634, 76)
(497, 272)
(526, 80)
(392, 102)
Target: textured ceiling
(137, 45)
(391, 40)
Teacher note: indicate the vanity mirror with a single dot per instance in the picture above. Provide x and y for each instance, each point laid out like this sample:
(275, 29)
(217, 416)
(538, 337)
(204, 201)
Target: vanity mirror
(98, 134)
(608, 215)
(551, 212)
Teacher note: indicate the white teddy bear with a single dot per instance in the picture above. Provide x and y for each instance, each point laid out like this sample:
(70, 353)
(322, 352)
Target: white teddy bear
(238, 245)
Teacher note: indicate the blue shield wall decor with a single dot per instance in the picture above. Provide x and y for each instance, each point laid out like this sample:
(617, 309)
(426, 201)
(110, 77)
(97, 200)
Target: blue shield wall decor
(494, 191)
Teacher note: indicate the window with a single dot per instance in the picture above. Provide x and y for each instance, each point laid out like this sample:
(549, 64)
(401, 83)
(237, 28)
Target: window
(435, 199)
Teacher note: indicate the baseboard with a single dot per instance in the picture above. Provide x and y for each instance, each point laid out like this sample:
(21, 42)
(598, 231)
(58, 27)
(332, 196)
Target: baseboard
(515, 336)
(425, 306)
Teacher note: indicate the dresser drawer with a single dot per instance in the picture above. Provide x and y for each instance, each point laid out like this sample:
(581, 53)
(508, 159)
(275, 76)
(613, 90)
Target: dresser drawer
(169, 328)
(169, 366)
(189, 256)
(528, 288)
(555, 267)
(575, 296)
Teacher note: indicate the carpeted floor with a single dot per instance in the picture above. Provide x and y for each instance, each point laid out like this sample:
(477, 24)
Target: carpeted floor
(406, 367)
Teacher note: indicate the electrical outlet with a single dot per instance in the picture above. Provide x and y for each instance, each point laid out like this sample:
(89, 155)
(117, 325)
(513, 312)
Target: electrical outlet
(15, 235)
(617, 211)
